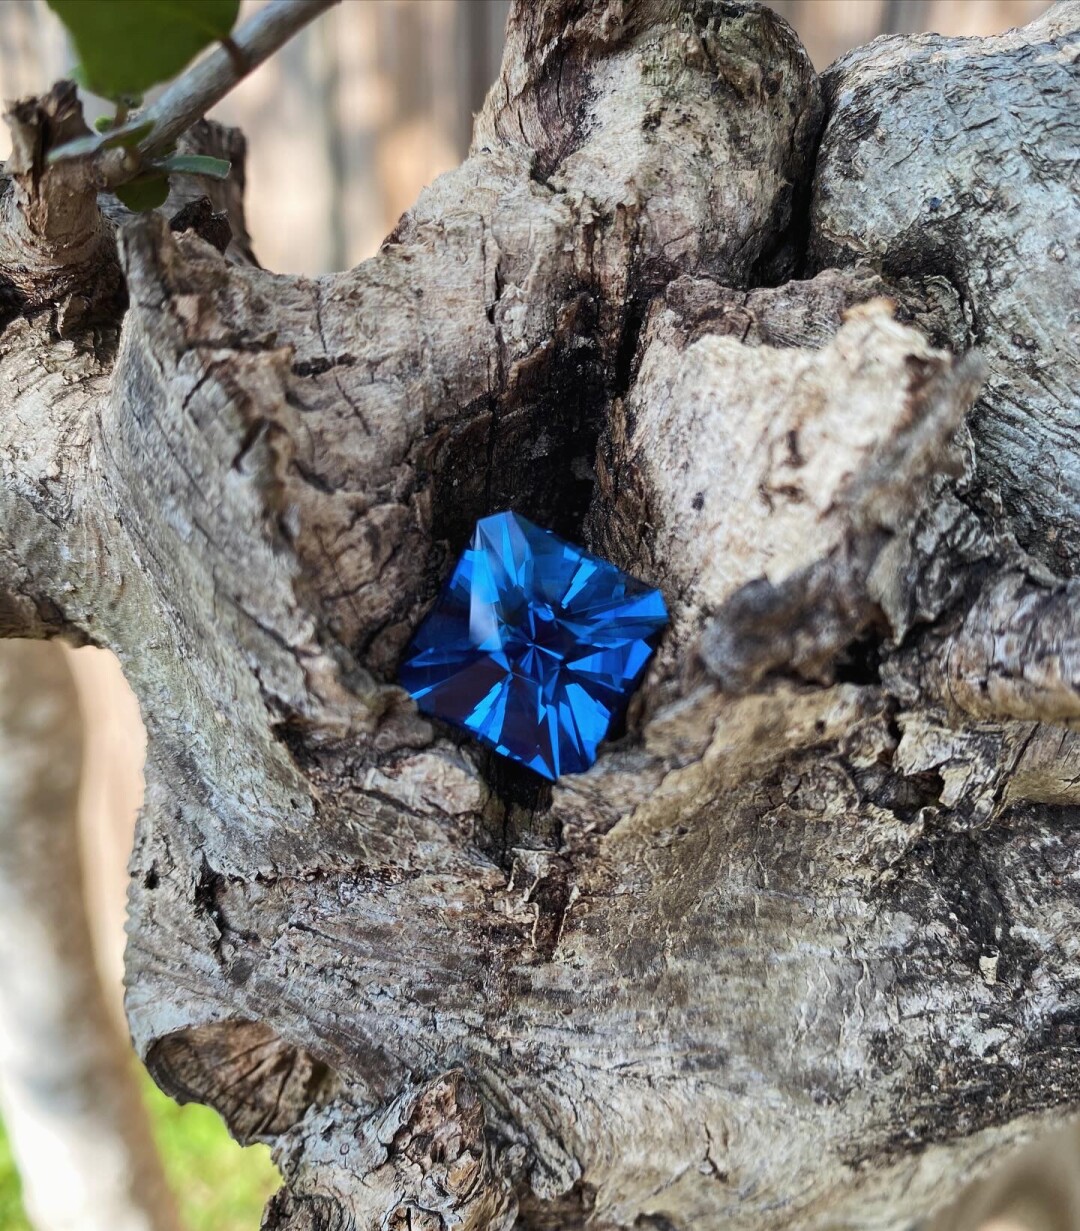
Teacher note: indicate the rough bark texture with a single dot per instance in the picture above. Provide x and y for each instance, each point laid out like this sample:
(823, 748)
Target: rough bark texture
(800, 949)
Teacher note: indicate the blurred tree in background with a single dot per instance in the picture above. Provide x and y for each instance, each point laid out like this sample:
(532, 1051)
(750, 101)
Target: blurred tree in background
(221, 1186)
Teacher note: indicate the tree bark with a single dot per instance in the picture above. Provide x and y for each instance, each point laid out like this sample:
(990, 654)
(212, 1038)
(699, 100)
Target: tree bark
(799, 950)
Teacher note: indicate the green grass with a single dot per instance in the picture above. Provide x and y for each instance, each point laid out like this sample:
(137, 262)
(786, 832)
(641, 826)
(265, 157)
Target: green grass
(12, 1217)
(220, 1186)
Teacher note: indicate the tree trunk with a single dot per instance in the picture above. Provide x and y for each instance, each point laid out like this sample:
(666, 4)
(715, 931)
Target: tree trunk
(68, 1090)
(800, 950)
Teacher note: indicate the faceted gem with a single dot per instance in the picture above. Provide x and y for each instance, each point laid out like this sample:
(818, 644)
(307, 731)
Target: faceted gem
(534, 645)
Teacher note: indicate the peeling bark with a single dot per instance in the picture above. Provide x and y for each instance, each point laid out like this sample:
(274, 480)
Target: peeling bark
(798, 951)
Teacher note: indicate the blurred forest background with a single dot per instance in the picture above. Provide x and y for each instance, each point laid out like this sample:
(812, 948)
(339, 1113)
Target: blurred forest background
(344, 126)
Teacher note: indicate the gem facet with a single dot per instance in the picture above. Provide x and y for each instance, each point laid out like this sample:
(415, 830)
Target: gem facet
(534, 645)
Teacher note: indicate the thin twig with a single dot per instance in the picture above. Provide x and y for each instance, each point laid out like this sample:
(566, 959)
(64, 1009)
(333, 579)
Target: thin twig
(208, 80)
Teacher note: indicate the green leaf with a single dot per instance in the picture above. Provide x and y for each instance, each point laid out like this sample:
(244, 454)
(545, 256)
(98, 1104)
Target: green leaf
(196, 164)
(144, 193)
(127, 46)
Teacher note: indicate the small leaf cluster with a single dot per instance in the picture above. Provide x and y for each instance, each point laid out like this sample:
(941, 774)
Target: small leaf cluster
(125, 47)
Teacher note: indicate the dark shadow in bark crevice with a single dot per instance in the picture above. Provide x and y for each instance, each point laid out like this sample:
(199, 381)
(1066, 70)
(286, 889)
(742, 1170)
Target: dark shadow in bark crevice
(260, 1084)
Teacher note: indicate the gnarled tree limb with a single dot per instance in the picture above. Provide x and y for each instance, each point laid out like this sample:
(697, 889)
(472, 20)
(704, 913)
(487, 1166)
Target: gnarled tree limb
(798, 950)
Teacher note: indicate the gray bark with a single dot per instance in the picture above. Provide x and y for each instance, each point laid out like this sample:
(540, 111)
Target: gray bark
(800, 949)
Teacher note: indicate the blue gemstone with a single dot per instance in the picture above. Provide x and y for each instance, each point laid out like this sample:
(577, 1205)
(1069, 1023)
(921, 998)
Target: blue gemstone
(534, 645)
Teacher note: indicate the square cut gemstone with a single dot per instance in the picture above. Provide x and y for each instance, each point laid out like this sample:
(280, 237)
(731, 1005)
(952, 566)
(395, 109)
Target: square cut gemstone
(534, 646)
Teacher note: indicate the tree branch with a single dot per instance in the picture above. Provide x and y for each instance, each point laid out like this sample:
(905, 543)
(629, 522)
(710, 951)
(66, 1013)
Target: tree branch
(55, 242)
(195, 91)
(211, 77)
(882, 196)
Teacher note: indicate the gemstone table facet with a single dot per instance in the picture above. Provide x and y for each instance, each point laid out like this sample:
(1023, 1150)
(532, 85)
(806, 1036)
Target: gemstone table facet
(534, 646)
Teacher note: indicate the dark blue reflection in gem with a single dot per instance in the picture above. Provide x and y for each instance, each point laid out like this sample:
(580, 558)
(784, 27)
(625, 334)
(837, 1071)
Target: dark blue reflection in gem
(534, 645)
